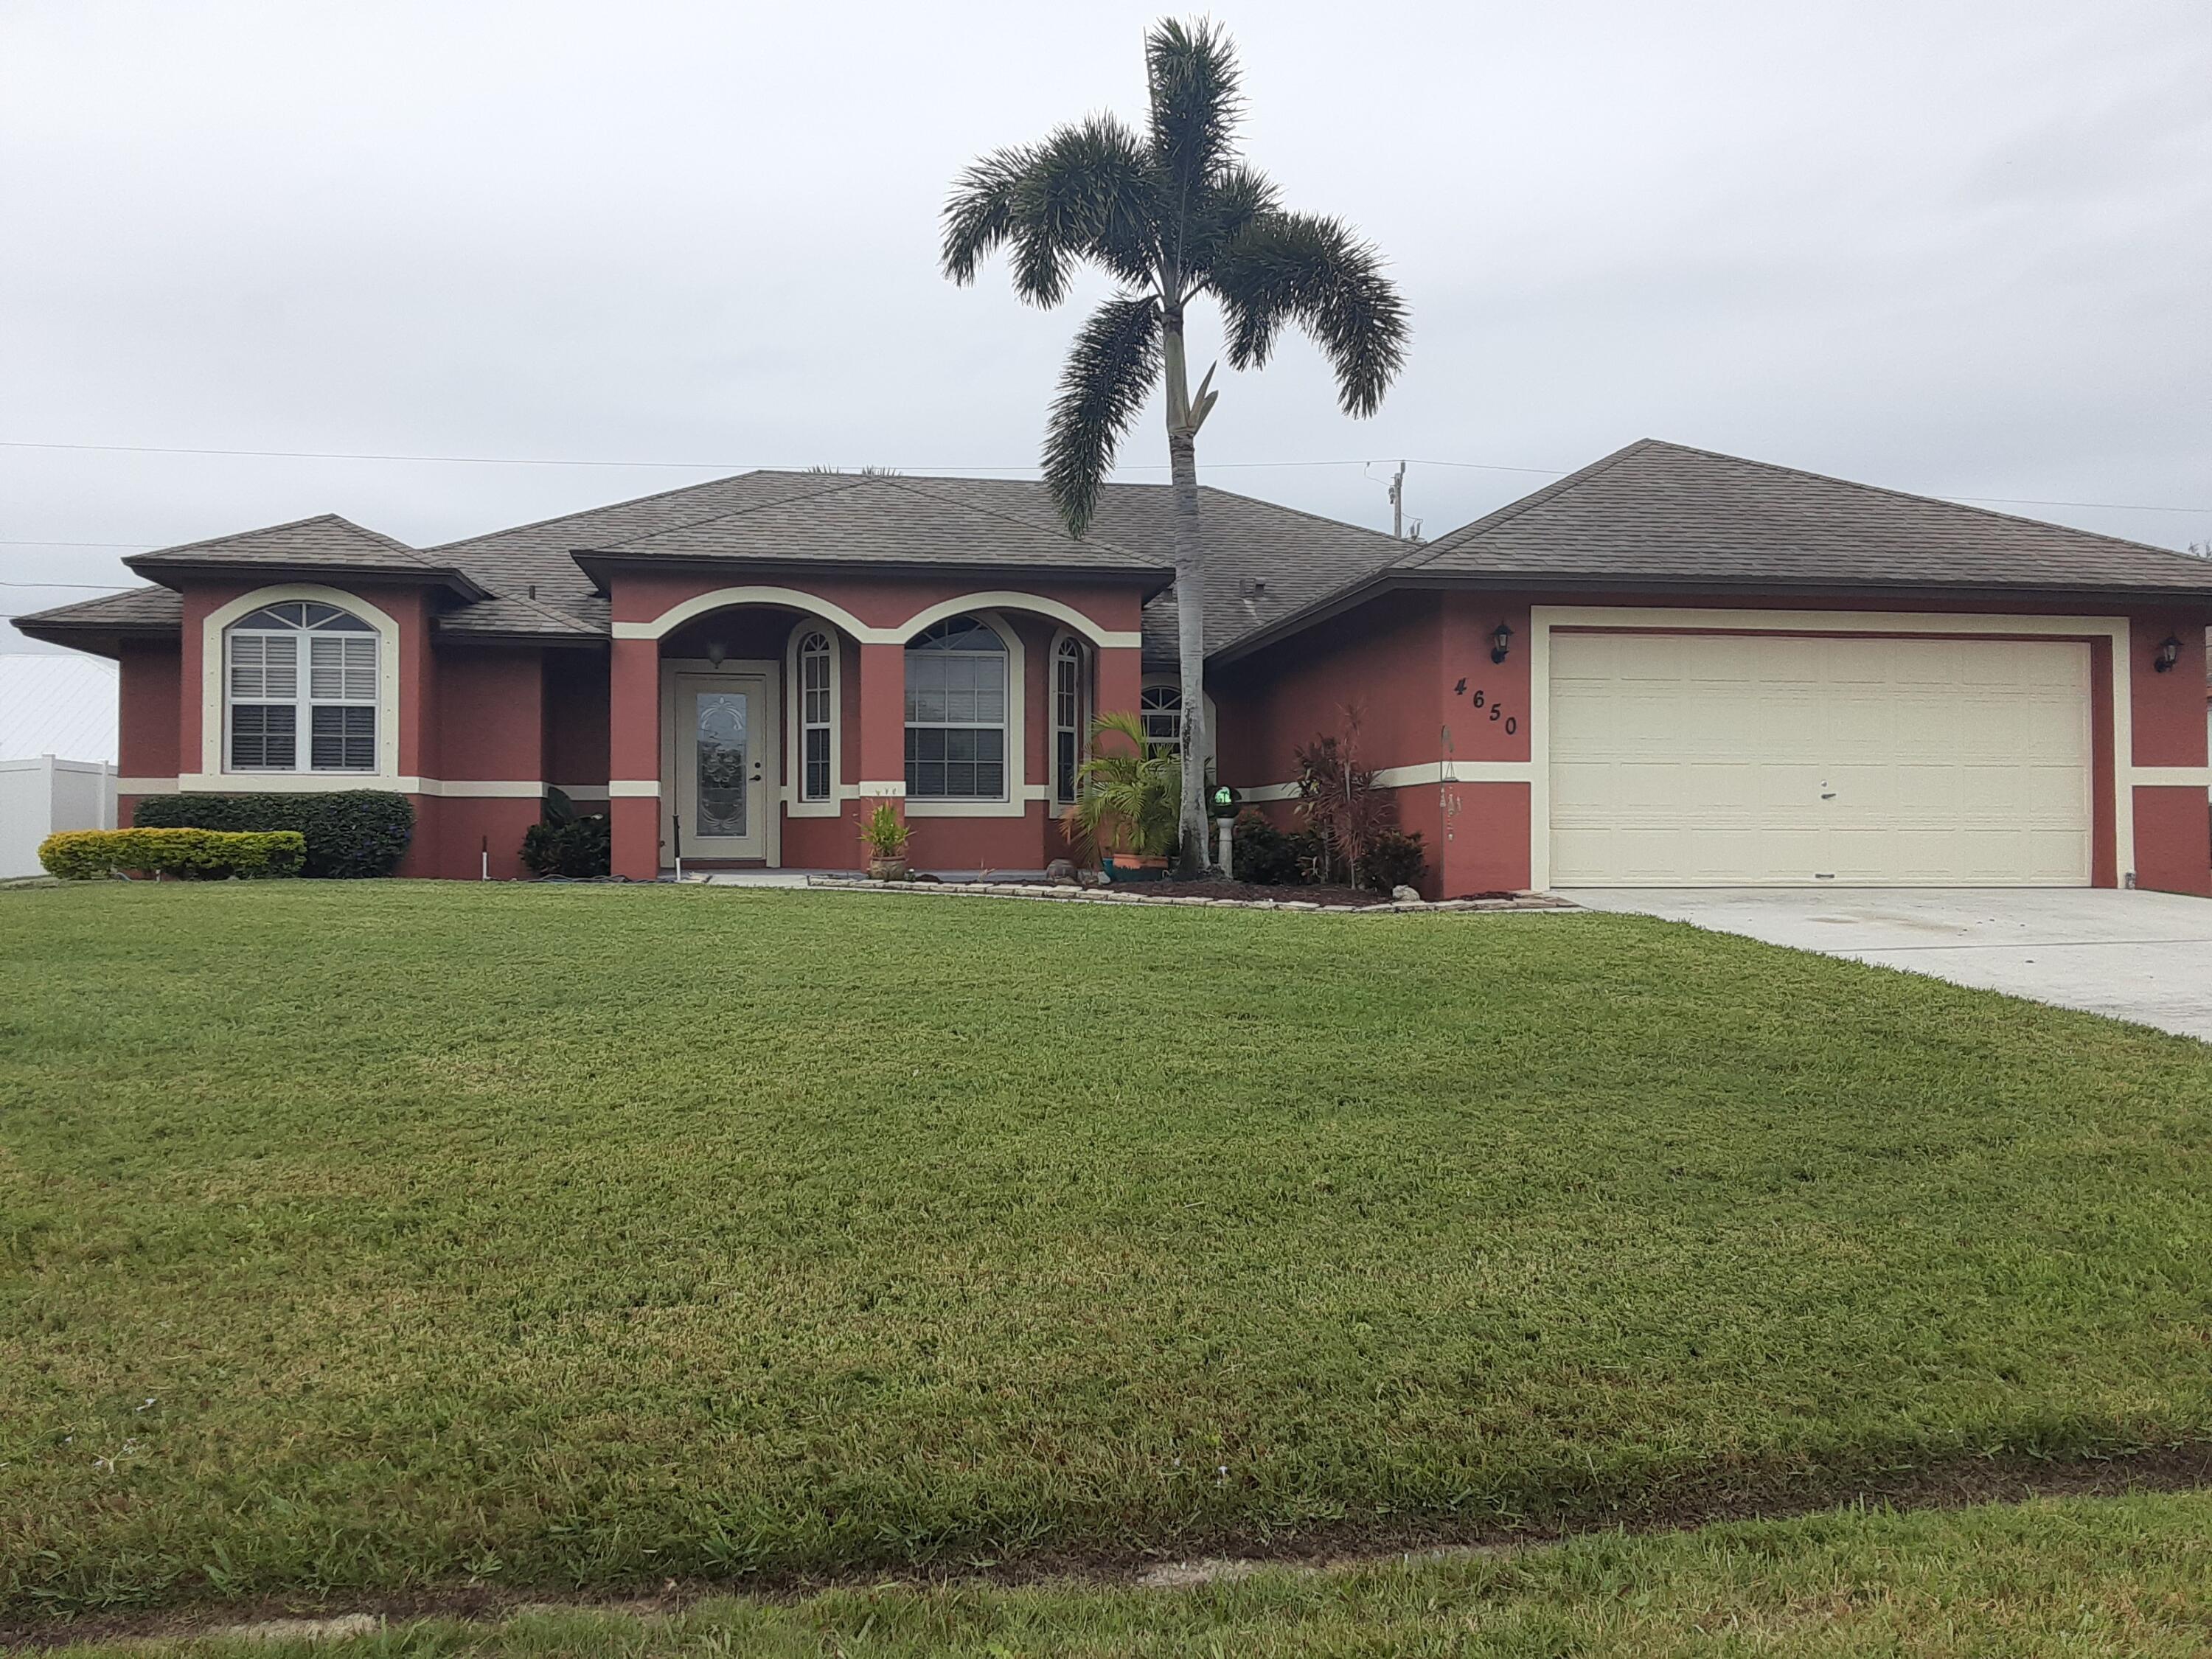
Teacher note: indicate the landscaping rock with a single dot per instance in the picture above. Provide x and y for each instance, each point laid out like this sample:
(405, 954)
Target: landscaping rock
(1402, 894)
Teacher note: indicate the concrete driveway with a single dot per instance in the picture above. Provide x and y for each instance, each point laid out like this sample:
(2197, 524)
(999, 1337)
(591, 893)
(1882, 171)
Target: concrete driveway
(2141, 956)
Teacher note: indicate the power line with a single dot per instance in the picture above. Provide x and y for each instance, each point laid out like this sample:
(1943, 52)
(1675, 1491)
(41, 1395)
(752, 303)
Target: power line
(34, 541)
(1024, 466)
(683, 466)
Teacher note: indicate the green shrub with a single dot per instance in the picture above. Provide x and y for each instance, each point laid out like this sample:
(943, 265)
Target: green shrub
(581, 846)
(1394, 859)
(193, 854)
(1262, 852)
(350, 832)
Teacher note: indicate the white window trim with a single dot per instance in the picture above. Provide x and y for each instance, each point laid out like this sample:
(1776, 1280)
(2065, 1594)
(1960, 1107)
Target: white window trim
(1020, 791)
(1212, 721)
(215, 761)
(1085, 696)
(794, 800)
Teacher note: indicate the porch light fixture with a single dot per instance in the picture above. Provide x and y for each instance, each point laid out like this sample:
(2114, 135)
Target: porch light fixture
(2168, 654)
(715, 652)
(1500, 643)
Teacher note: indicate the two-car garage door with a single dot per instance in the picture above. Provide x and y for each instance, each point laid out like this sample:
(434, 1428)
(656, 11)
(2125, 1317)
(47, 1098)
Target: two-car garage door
(1720, 759)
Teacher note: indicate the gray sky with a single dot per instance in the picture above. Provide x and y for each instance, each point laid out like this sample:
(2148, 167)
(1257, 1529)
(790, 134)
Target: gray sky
(1954, 247)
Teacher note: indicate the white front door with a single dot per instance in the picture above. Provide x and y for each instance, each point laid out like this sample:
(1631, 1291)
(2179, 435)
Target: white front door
(726, 761)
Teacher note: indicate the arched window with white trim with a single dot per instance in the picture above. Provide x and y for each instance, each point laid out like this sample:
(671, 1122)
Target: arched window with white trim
(299, 690)
(815, 716)
(1069, 698)
(956, 712)
(1160, 708)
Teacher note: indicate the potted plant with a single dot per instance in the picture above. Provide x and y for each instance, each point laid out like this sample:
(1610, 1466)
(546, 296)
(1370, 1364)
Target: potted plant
(1128, 799)
(884, 834)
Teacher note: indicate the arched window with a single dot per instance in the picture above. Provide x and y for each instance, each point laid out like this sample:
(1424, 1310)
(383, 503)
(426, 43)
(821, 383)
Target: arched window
(956, 712)
(1068, 716)
(1160, 707)
(814, 717)
(299, 689)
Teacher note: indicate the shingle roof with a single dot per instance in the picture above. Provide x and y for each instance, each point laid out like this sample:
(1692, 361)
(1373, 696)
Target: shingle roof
(1263, 560)
(134, 611)
(1653, 515)
(324, 539)
(1664, 512)
(881, 519)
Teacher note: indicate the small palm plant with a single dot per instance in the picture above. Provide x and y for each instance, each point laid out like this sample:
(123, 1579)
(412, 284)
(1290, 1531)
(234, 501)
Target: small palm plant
(1174, 215)
(1128, 794)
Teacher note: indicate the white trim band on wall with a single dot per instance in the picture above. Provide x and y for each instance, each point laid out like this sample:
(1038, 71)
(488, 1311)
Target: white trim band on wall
(2171, 777)
(793, 598)
(1426, 773)
(634, 789)
(314, 783)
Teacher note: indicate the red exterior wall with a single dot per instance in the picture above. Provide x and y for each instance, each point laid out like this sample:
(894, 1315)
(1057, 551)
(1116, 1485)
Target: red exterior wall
(2173, 825)
(1426, 658)
(148, 693)
(1418, 666)
(872, 740)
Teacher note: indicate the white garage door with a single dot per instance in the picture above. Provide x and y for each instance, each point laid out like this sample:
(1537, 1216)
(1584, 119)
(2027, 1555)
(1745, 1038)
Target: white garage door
(1715, 760)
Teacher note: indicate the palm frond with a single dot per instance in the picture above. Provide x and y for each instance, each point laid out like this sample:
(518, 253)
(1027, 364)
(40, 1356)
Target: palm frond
(1313, 271)
(1192, 77)
(1087, 193)
(979, 214)
(1111, 370)
(1127, 795)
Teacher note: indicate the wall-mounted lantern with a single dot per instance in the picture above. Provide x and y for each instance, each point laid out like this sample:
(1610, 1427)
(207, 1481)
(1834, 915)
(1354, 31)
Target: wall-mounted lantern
(715, 652)
(2168, 654)
(1500, 643)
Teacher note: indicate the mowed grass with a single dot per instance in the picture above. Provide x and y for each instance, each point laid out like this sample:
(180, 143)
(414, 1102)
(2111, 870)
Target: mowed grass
(359, 1236)
(2127, 1578)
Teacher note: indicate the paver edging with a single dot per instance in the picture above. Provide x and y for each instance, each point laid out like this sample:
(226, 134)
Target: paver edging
(1059, 893)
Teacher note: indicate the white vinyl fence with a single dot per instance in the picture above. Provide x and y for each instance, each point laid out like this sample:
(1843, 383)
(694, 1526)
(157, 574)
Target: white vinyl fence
(38, 797)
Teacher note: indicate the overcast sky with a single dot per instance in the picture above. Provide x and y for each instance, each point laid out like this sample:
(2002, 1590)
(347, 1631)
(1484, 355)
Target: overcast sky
(1952, 247)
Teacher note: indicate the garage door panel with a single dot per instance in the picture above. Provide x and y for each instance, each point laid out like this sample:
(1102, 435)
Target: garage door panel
(1689, 759)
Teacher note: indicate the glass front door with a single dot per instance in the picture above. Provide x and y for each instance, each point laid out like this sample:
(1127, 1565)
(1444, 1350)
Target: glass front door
(725, 755)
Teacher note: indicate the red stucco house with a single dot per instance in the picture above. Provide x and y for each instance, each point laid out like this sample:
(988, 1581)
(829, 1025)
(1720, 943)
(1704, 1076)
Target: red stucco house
(1670, 667)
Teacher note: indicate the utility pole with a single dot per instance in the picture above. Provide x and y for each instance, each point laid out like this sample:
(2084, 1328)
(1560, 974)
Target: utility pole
(1398, 503)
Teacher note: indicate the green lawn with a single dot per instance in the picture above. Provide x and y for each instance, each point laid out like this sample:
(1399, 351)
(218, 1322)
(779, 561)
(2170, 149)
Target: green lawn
(359, 1236)
(2112, 1579)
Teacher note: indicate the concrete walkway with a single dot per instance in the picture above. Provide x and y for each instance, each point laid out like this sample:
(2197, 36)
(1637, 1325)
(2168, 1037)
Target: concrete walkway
(2140, 957)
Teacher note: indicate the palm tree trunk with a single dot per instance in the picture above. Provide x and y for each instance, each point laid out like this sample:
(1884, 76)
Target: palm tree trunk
(1190, 596)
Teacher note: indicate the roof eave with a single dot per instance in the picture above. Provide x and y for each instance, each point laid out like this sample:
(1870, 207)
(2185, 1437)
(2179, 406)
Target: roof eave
(100, 639)
(173, 573)
(552, 639)
(1378, 583)
(598, 563)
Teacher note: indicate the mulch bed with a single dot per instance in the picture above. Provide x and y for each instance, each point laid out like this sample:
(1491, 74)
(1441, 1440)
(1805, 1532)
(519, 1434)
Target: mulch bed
(1348, 898)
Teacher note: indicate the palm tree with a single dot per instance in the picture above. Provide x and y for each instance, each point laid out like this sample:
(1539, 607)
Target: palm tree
(1172, 214)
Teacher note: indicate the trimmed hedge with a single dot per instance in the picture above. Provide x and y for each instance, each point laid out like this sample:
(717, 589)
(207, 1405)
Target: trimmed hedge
(581, 846)
(350, 832)
(194, 854)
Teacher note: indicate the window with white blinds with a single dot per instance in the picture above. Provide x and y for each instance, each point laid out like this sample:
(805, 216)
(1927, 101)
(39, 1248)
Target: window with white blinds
(301, 690)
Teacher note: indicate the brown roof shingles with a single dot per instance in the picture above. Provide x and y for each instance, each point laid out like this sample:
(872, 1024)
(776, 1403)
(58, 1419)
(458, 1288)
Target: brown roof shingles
(1653, 515)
